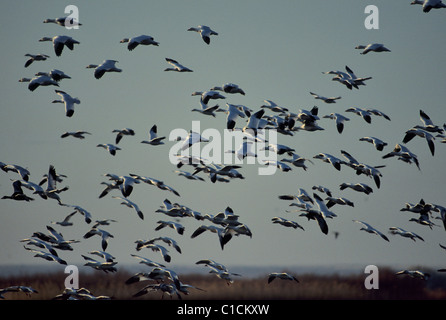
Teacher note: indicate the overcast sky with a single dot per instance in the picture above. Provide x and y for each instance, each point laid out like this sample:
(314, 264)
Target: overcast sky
(274, 50)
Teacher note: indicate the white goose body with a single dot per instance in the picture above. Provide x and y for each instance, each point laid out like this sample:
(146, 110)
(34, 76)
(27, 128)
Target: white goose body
(68, 101)
(59, 42)
(205, 32)
(139, 40)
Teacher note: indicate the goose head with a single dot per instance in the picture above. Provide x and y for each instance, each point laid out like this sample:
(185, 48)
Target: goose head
(45, 39)
(124, 40)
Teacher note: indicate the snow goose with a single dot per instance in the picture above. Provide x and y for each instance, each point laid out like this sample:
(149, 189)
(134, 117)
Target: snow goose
(147, 261)
(154, 139)
(46, 255)
(23, 172)
(366, 115)
(411, 133)
(130, 204)
(378, 143)
(298, 161)
(325, 99)
(188, 175)
(59, 42)
(340, 119)
(282, 166)
(279, 149)
(233, 113)
(38, 81)
(214, 229)
(64, 21)
(206, 110)
(76, 134)
(34, 187)
(205, 32)
(18, 193)
(105, 236)
(312, 214)
(245, 150)
(157, 248)
(323, 190)
(68, 102)
(414, 274)
(40, 244)
(176, 226)
(55, 74)
(176, 66)
(286, 223)
(123, 132)
(169, 241)
(163, 287)
(404, 233)
(359, 187)
(302, 195)
(105, 266)
(192, 138)
(109, 147)
(348, 78)
(139, 40)
(58, 241)
(331, 201)
(253, 124)
(208, 95)
(155, 182)
(66, 221)
(328, 158)
(35, 57)
(428, 125)
(368, 228)
(404, 154)
(104, 255)
(105, 66)
(27, 290)
(229, 88)
(271, 105)
(375, 47)
(429, 4)
(281, 275)
(224, 275)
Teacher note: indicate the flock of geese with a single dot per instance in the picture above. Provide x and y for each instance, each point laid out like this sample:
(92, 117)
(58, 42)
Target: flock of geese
(226, 224)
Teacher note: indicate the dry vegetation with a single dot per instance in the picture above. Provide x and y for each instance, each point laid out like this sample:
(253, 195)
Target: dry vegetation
(310, 287)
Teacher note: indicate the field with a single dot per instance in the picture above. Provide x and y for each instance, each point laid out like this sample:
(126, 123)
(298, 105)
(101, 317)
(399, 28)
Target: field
(310, 287)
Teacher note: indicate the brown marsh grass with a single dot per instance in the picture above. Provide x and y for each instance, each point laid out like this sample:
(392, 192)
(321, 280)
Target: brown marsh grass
(310, 287)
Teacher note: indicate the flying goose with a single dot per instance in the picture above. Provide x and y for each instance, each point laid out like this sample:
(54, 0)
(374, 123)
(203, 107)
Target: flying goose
(404, 233)
(287, 223)
(205, 32)
(27, 290)
(66, 221)
(163, 287)
(59, 42)
(23, 172)
(55, 74)
(188, 175)
(123, 132)
(18, 193)
(297, 161)
(105, 236)
(224, 275)
(368, 228)
(414, 274)
(376, 47)
(168, 241)
(106, 266)
(130, 204)
(244, 150)
(271, 105)
(35, 57)
(360, 187)
(428, 124)
(176, 66)
(57, 240)
(378, 143)
(109, 147)
(176, 226)
(147, 261)
(105, 66)
(328, 158)
(34, 187)
(325, 99)
(208, 95)
(76, 134)
(404, 154)
(40, 244)
(68, 101)
(156, 247)
(229, 88)
(206, 110)
(139, 40)
(340, 119)
(38, 81)
(233, 113)
(159, 184)
(64, 21)
(192, 138)
(429, 4)
(281, 275)
(348, 78)
(411, 133)
(46, 255)
(154, 139)
(214, 229)
(366, 115)
(322, 189)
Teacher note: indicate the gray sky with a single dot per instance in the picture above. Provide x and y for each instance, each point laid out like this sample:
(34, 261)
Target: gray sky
(273, 50)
